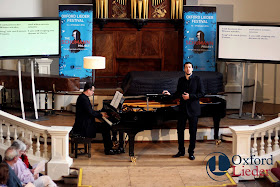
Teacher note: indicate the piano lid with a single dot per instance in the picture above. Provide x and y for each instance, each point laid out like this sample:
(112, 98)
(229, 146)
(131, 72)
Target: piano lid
(146, 82)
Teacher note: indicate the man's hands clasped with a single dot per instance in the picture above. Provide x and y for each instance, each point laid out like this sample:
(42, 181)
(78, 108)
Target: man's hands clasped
(185, 95)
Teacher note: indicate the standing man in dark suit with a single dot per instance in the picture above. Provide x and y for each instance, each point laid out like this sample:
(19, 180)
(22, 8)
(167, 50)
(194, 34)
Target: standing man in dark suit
(189, 90)
(85, 124)
(10, 158)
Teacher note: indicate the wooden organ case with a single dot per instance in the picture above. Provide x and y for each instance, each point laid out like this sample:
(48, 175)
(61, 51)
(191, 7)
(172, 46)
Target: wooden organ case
(137, 35)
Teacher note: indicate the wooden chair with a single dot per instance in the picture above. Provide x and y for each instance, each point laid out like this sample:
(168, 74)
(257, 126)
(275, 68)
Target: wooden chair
(76, 140)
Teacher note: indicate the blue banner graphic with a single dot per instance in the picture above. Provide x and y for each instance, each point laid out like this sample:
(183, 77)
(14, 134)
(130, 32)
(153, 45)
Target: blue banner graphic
(76, 39)
(199, 37)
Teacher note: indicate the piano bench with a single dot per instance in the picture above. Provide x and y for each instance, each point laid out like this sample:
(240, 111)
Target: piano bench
(76, 140)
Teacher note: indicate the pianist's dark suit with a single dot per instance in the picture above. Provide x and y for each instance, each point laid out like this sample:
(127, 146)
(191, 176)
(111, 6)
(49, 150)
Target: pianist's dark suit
(85, 124)
(188, 109)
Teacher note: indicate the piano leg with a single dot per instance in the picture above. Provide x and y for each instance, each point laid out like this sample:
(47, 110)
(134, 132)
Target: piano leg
(131, 137)
(121, 142)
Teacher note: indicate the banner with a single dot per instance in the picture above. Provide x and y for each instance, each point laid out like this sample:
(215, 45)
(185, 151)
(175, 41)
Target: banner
(76, 39)
(199, 37)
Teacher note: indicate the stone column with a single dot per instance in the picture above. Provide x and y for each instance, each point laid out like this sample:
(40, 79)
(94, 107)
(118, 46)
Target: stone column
(60, 161)
(241, 143)
(241, 148)
(44, 66)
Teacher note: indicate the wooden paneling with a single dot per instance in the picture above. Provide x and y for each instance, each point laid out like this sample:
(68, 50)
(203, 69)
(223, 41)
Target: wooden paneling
(127, 44)
(156, 47)
(127, 65)
(150, 44)
(171, 57)
(104, 46)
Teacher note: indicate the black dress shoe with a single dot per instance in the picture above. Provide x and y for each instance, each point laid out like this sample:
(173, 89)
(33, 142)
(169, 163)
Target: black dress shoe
(191, 157)
(179, 154)
(109, 152)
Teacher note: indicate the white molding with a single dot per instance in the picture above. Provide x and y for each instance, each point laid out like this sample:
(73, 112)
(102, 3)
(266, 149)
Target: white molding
(44, 65)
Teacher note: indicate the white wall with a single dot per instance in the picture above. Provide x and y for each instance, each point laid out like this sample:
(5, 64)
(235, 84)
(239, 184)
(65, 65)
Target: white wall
(251, 10)
(257, 10)
(21, 8)
(51, 6)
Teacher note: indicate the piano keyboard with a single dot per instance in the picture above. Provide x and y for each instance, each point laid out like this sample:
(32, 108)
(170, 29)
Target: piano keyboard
(107, 121)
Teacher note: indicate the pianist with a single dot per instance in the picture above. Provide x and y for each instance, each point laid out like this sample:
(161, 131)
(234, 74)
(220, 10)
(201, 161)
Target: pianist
(85, 124)
(189, 90)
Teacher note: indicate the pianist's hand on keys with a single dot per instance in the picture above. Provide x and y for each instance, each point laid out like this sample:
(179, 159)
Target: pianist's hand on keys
(104, 115)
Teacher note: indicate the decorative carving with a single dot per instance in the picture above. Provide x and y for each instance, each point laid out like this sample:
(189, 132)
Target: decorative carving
(119, 9)
(159, 11)
(101, 23)
(139, 9)
(139, 23)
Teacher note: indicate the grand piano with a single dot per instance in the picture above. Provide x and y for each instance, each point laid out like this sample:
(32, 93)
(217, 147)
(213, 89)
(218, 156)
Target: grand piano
(145, 112)
(148, 112)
